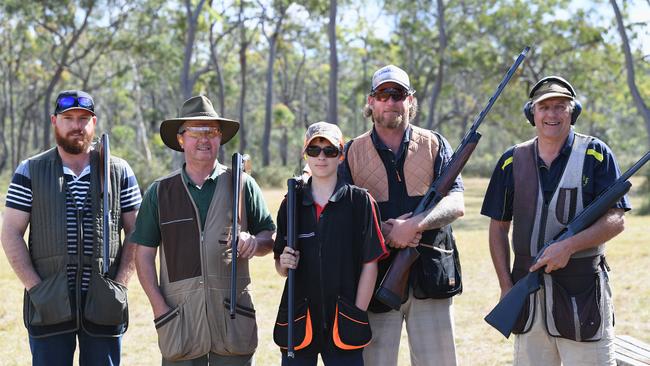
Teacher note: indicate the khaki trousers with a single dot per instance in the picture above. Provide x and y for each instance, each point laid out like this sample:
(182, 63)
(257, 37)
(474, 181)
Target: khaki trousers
(430, 329)
(537, 347)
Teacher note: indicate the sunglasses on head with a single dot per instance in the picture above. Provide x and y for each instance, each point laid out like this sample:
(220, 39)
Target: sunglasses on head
(71, 101)
(200, 131)
(330, 151)
(397, 95)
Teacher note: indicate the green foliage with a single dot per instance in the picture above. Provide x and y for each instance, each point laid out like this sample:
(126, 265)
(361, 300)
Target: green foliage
(275, 175)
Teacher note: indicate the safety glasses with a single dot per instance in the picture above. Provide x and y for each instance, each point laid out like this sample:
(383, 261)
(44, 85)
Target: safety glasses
(69, 101)
(330, 151)
(397, 95)
(199, 131)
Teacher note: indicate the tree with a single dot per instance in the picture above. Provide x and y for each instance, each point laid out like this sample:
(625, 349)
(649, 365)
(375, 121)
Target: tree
(641, 106)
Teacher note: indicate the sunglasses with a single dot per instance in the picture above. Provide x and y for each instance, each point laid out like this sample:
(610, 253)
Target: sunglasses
(397, 95)
(330, 151)
(70, 101)
(198, 132)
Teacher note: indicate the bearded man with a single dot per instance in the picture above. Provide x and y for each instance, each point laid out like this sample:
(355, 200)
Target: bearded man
(57, 194)
(396, 162)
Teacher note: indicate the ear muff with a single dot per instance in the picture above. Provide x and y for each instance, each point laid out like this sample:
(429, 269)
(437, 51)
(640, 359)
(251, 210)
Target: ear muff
(528, 107)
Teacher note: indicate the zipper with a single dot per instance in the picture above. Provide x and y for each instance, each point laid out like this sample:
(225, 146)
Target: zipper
(542, 228)
(576, 319)
(320, 271)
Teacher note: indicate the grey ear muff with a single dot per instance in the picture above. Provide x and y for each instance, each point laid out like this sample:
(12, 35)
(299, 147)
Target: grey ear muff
(528, 107)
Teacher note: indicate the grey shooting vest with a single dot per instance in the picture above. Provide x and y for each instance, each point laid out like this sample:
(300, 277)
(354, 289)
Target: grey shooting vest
(535, 223)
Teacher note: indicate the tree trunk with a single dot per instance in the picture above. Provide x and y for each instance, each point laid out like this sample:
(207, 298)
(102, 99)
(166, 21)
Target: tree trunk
(629, 66)
(187, 81)
(332, 115)
(141, 131)
(268, 111)
(437, 86)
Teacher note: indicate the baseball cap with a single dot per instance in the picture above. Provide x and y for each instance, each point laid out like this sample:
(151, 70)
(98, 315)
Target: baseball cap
(392, 74)
(74, 99)
(328, 131)
(551, 89)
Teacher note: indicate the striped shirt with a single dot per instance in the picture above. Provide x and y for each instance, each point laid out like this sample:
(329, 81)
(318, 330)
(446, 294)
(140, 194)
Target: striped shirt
(19, 196)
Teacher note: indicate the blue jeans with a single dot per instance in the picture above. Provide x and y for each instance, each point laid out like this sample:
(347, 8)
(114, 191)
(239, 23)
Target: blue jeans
(349, 358)
(58, 350)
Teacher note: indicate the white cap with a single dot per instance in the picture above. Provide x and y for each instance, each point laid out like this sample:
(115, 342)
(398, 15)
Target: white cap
(391, 74)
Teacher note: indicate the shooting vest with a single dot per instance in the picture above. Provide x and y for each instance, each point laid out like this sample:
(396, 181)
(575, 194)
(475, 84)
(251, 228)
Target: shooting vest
(536, 222)
(195, 274)
(436, 273)
(368, 170)
(48, 309)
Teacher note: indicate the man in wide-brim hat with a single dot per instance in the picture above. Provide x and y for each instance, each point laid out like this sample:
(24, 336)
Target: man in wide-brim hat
(188, 214)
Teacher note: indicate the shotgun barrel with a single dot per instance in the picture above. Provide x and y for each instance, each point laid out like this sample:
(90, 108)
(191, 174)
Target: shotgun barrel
(237, 164)
(292, 185)
(106, 208)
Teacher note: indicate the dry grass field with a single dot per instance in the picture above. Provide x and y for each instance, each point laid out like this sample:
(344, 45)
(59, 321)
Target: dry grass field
(478, 344)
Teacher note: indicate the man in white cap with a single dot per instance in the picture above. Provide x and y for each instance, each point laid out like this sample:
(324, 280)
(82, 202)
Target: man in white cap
(557, 174)
(186, 218)
(397, 162)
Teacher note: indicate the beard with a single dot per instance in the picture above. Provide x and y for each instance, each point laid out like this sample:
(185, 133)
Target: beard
(388, 122)
(75, 142)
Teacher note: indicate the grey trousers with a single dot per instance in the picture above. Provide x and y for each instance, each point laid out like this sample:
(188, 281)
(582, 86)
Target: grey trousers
(430, 328)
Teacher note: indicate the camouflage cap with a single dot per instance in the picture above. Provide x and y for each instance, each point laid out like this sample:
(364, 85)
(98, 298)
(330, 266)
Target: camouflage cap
(328, 131)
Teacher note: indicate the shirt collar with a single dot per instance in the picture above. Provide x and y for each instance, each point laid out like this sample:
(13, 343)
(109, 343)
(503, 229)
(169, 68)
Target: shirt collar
(308, 199)
(380, 144)
(213, 175)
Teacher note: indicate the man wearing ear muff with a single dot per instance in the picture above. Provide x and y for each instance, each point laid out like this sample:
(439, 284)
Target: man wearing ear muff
(540, 185)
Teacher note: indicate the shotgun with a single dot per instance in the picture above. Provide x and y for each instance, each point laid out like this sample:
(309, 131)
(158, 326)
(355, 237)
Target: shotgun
(237, 167)
(394, 284)
(504, 315)
(292, 186)
(106, 208)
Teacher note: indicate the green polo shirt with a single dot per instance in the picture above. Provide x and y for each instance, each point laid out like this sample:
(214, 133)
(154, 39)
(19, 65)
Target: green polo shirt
(147, 229)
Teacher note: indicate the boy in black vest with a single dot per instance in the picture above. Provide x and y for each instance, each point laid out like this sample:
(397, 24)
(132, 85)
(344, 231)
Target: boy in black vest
(339, 244)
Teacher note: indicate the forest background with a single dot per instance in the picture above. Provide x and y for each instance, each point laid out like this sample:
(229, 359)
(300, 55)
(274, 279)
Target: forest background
(277, 66)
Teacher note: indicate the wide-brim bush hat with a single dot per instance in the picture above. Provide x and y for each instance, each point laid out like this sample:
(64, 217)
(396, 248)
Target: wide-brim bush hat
(197, 108)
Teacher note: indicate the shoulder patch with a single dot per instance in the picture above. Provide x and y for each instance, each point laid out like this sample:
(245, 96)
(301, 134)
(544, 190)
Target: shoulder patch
(598, 156)
(506, 163)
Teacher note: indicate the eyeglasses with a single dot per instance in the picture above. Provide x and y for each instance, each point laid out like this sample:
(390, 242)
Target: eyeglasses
(197, 132)
(330, 151)
(397, 95)
(70, 101)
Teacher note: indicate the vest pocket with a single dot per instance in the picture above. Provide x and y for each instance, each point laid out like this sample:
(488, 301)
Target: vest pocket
(577, 317)
(302, 326)
(351, 327)
(437, 273)
(239, 334)
(106, 302)
(182, 332)
(49, 301)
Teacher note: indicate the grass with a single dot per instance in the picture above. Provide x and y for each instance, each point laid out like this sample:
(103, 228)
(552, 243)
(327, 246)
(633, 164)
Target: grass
(477, 343)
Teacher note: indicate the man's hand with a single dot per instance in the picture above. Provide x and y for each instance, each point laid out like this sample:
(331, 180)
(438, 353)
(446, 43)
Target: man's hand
(403, 232)
(505, 289)
(555, 256)
(160, 310)
(247, 245)
(289, 260)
